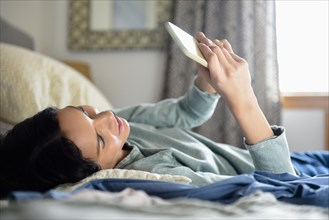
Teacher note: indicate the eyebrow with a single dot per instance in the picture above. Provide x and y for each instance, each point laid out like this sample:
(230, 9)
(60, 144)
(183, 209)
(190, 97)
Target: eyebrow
(84, 112)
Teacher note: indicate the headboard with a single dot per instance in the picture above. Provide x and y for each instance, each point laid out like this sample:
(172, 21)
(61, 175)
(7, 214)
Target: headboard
(12, 35)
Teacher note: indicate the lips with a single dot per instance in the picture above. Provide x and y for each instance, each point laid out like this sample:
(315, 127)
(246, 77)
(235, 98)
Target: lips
(119, 123)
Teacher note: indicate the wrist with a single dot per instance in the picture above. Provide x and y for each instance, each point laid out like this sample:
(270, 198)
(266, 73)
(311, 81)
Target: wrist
(251, 119)
(243, 104)
(203, 85)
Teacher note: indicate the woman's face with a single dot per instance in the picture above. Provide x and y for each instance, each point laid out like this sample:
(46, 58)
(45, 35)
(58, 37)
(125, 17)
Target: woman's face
(99, 135)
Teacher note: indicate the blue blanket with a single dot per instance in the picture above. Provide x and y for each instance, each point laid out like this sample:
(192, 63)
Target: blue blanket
(303, 189)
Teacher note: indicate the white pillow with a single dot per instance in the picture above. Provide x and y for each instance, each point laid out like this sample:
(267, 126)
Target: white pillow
(31, 81)
(125, 174)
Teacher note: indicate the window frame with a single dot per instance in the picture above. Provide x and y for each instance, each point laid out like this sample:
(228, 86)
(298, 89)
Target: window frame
(315, 100)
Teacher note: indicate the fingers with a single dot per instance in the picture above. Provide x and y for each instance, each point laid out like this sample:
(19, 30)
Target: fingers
(224, 43)
(203, 39)
(218, 53)
(222, 54)
(224, 50)
(238, 59)
(212, 58)
(215, 49)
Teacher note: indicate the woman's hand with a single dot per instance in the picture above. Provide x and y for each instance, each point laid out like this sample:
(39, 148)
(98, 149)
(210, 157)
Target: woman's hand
(229, 75)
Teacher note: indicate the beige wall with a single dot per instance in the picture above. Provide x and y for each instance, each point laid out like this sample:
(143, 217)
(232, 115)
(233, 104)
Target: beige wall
(304, 129)
(124, 77)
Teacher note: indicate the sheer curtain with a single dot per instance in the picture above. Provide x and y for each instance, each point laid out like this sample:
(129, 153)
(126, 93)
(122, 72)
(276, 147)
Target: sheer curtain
(250, 28)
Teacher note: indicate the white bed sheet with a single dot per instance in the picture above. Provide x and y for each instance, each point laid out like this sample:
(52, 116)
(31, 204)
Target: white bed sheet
(131, 204)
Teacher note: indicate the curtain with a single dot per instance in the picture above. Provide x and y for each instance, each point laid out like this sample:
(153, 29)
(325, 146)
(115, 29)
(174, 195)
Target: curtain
(250, 28)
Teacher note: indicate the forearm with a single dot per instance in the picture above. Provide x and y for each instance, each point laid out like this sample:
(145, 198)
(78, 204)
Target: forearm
(188, 111)
(251, 119)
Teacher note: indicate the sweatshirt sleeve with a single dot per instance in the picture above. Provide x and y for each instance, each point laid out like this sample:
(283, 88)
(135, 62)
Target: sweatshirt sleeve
(272, 154)
(187, 111)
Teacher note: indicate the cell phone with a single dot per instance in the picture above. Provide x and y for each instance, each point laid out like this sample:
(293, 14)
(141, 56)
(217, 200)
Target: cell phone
(187, 43)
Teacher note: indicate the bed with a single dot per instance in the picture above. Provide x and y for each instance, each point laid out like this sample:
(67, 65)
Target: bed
(31, 81)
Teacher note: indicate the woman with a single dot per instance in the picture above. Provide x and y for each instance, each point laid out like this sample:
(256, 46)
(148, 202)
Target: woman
(65, 145)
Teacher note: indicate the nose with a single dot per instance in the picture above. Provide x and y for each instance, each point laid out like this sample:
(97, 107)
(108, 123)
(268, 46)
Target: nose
(104, 118)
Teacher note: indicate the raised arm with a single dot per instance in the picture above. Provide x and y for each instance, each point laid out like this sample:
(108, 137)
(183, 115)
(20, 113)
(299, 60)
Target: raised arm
(187, 111)
(228, 74)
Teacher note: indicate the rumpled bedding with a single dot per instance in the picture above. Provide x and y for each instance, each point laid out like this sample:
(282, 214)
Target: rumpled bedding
(303, 189)
(285, 187)
(134, 204)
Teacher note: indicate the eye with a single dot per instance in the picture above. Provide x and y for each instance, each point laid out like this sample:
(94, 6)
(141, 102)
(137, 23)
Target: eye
(101, 141)
(83, 111)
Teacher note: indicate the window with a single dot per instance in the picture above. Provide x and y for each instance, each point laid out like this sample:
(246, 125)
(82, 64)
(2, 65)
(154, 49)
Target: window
(302, 40)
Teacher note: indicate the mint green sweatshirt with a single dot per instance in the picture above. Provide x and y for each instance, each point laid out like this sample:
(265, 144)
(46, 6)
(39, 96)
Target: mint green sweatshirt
(161, 142)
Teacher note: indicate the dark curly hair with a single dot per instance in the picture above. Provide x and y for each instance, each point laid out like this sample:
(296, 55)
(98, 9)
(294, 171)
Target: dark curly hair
(36, 156)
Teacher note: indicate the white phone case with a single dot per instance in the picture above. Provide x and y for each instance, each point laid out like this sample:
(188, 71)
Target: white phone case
(186, 43)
